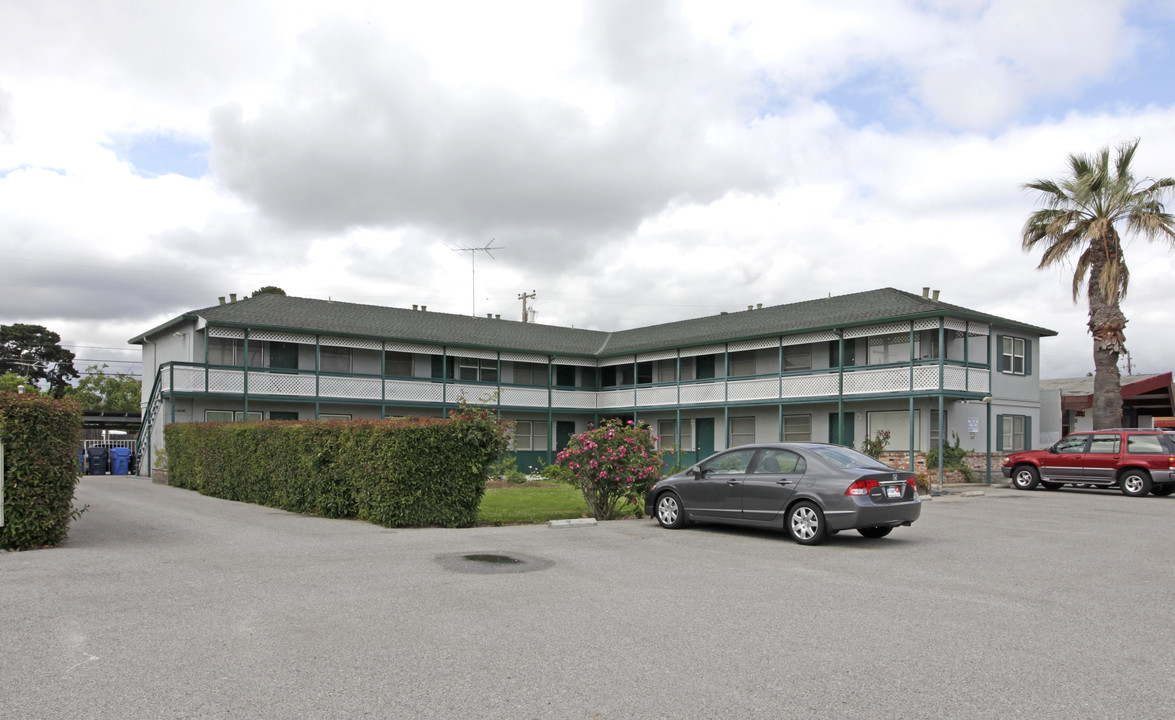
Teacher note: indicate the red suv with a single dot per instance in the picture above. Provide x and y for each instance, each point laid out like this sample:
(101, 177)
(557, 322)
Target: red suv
(1136, 461)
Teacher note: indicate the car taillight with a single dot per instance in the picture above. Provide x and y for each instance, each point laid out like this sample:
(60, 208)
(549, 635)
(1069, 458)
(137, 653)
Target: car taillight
(1171, 463)
(861, 487)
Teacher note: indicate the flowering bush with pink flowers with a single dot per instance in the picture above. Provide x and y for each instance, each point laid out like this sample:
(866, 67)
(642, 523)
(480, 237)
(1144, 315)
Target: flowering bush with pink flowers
(612, 465)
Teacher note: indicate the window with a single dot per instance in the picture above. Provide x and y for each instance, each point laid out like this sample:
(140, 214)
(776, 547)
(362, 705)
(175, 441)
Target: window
(897, 422)
(282, 415)
(742, 363)
(530, 435)
(1105, 444)
(797, 428)
(742, 431)
(608, 376)
(705, 366)
(797, 358)
(530, 373)
(934, 427)
(1012, 432)
(644, 373)
(667, 370)
(1013, 357)
(334, 359)
(477, 370)
(230, 416)
(333, 416)
(780, 461)
(398, 364)
(667, 434)
(283, 355)
(565, 375)
(1144, 445)
(731, 462)
(1071, 444)
(224, 351)
(889, 349)
(928, 345)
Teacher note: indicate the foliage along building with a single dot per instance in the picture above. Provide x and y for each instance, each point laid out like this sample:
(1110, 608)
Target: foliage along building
(835, 369)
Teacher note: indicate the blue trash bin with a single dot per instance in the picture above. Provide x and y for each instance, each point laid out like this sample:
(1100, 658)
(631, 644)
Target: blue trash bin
(97, 461)
(120, 460)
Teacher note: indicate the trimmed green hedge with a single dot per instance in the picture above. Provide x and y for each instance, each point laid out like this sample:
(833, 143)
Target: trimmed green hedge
(412, 472)
(41, 438)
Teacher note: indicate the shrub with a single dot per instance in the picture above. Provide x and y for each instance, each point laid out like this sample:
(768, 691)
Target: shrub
(873, 447)
(410, 472)
(953, 458)
(41, 437)
(612, 466)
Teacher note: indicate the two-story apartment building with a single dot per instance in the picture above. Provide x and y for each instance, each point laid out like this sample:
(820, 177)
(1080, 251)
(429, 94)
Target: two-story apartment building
(834, 369)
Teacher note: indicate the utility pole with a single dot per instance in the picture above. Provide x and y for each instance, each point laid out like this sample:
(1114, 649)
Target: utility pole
(473, 251)
(523, 297)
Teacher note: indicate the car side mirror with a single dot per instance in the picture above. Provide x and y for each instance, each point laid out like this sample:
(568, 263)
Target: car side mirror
(699, 473)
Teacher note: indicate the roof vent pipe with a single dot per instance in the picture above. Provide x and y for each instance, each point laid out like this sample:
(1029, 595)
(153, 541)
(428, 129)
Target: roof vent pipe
(415, 307)
(758, 306)
(232, 297)
(423, 308)
(490, 316)
(926, 293)
(221, 299)
(750, 307)
(935, 297)
(498, 317)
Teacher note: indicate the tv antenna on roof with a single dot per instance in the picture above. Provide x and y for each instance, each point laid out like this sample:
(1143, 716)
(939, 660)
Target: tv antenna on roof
(473, 251)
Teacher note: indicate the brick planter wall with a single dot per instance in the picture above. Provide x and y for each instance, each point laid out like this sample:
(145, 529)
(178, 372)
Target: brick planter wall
(977, 461)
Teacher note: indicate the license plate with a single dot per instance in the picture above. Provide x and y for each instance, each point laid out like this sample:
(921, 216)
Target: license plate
(893, 491)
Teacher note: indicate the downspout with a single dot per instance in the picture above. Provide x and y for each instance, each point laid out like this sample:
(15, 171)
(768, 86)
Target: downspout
(317, 374)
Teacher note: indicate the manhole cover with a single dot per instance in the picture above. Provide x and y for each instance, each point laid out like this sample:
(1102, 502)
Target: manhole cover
(492, 563)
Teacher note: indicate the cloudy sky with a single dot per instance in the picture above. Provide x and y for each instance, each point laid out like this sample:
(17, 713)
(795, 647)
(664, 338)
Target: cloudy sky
(635, 162)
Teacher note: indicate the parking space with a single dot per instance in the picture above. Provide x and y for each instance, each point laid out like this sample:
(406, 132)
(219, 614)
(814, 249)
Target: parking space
(169, 604)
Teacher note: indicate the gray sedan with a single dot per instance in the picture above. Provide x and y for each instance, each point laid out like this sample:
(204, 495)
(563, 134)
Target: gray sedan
(812, 490)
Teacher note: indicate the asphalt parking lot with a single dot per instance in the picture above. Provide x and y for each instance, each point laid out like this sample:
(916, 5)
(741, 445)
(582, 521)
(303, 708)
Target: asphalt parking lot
(167, 604)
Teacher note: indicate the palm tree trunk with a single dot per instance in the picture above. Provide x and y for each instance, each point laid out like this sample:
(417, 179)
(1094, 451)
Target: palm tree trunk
(1106, 324)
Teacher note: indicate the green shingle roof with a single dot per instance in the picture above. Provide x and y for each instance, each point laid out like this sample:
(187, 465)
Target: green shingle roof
(294, 314)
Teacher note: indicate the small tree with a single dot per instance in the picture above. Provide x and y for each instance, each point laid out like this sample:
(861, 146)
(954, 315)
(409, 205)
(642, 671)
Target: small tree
(35, 352)
(611, 465)
(12, 382)
(873, 447)
(118, 392)
(269, 290)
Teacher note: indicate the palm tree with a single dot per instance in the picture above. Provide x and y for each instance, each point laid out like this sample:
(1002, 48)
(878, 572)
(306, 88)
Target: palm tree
(1081, 214)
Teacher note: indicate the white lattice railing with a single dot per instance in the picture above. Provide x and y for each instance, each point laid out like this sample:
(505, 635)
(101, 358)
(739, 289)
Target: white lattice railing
(524, 397)
(857, 381)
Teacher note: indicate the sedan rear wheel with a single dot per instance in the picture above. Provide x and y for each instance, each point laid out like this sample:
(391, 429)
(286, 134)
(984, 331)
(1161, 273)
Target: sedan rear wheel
(805, 523)
(1135, 483)
(669, 511)
(1025, 477)
(876, 532)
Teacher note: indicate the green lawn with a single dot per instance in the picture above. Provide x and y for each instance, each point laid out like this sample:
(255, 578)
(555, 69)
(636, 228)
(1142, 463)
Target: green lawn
(529, 504)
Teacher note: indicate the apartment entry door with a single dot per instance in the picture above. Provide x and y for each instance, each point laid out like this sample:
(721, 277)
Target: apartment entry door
(834, 434)
(704, 427)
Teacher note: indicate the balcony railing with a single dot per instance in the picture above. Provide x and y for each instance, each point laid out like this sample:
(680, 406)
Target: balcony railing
(188, 378)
